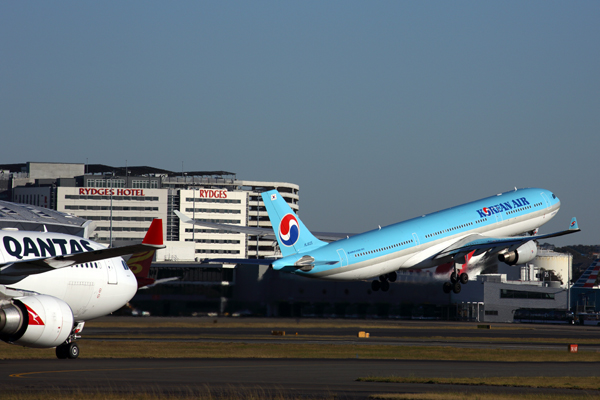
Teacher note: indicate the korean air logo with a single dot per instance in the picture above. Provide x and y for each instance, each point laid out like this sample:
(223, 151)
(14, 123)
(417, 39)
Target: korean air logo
(289, 230)
(573, 224)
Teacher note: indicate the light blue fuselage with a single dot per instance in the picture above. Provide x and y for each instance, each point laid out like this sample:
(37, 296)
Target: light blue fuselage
(412, 244)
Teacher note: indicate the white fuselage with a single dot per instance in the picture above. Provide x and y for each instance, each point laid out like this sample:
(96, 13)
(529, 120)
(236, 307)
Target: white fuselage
(91, 289)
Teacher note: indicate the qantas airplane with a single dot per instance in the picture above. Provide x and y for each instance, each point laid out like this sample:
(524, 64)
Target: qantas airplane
(51, 283)
(505, 225)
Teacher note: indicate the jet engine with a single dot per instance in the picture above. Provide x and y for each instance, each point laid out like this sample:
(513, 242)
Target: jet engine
(521, 255)
(36, 321)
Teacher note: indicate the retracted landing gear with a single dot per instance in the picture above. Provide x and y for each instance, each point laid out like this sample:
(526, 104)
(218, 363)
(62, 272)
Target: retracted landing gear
(384, 282)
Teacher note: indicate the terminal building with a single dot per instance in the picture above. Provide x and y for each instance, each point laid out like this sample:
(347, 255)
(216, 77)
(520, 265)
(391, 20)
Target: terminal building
(122, 202)
(116, 205)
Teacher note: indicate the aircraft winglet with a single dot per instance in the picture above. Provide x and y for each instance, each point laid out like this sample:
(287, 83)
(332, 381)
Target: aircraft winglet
(574, 225)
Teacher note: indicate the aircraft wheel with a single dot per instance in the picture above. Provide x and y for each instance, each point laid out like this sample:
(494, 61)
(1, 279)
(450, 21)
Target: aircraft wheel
(447, 287)
(375, 286)
(453, 277)
(61, 351)
(464, 278)
(392, 276)
(385, 286)
(383, 278)
(456, 287)
(72, 350)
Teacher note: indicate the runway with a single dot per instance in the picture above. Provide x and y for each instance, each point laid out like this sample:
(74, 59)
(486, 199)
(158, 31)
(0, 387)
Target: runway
(298, 377)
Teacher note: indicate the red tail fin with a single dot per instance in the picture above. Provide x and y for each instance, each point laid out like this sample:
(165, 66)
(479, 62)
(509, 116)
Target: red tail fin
(155, 233)
(139, 263)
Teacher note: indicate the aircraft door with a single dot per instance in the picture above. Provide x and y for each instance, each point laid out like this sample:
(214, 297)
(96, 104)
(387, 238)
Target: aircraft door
(546, 200)
(343, 257)
(416, 239)
(498, 216)
(112, 272)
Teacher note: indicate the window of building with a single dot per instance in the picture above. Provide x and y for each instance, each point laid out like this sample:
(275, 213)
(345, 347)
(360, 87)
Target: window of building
(522, 294)
(139, 184)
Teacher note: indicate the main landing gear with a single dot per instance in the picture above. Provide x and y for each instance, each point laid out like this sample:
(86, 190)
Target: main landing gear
(455, 282)
(384, 282)
(69, 348)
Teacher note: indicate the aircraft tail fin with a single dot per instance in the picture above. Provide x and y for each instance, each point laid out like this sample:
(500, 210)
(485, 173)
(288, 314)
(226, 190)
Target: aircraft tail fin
(292, 235)
(139, 263)
(589, 276)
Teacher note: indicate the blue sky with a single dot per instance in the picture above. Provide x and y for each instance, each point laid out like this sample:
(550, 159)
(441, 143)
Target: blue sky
(380, 111)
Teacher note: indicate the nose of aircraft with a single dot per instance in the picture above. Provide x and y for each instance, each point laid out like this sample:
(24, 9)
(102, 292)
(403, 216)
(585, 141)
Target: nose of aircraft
(554, 202)
(130, 286)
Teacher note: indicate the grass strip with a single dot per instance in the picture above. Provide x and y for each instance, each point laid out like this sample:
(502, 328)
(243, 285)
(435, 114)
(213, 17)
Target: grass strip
(477, 396)
(291, 336)
(146, 349)
(277, 324)
(547, 382)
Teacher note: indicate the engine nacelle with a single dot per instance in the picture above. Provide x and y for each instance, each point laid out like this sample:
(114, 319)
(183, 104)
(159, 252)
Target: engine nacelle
(36, 321)
(523, 254)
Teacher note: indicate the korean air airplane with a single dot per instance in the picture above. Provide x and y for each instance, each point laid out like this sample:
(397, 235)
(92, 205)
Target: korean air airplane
(51, 283)
(505, 225)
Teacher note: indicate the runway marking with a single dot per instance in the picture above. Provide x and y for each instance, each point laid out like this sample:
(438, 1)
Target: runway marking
(26, 374)
(22, 374)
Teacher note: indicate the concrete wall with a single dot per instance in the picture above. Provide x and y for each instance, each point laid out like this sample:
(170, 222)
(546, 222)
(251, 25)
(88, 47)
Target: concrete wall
(54, 170)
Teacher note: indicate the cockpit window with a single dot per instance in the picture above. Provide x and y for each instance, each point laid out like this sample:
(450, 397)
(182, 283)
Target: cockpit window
(125, 266)
(553, 196)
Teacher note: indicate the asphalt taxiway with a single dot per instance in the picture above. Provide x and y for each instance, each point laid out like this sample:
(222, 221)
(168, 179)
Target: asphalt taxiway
(297, 377)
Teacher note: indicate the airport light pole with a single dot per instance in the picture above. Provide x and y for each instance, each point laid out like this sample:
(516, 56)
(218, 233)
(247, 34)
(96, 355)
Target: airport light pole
(110, 187)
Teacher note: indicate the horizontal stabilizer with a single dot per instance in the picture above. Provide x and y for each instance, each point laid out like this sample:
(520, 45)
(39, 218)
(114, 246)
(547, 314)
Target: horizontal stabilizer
(255, 230)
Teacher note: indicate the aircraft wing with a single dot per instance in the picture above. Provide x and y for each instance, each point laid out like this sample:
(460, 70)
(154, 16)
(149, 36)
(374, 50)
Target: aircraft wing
(252, 230)
(159, 281)
(481, 244)
(252, 261)
(40, 265)
(10, 293)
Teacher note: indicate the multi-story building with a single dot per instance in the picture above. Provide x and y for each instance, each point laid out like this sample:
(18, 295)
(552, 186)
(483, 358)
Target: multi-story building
(122, 202)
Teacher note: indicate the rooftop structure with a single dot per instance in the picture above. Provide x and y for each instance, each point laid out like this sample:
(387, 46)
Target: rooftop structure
(33, 218)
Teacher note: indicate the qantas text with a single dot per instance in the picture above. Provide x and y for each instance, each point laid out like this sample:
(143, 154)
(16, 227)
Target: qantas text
(44, 247)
